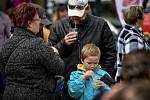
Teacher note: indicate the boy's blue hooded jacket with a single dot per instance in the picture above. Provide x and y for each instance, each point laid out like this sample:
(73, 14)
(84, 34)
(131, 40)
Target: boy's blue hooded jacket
(84, 89)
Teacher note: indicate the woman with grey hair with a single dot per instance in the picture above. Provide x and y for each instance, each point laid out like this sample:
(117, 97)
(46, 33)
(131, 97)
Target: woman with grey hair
(131, 37)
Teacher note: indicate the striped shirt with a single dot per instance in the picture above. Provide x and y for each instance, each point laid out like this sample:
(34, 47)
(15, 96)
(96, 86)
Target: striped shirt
(130, 38)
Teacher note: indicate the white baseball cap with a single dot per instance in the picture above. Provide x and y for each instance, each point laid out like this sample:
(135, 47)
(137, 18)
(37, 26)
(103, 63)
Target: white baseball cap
(77, 7)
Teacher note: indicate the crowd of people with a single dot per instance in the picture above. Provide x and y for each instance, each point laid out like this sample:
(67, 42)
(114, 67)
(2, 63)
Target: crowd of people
(76, 50)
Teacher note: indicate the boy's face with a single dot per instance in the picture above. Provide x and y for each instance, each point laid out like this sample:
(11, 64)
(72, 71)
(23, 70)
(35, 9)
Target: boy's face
(91, 62)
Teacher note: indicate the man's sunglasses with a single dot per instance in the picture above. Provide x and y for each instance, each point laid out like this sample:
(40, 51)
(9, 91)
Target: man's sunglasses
(79, 7)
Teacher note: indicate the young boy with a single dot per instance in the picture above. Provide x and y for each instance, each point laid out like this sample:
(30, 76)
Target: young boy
(86, 83)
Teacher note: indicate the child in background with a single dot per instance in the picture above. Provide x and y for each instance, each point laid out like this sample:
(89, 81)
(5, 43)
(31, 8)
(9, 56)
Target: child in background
(85, 83)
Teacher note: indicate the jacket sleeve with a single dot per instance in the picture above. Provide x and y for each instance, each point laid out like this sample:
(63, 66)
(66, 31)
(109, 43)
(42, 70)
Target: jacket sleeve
(132, 43)
(110, 49)
(106, 87)
(76, 85)
(2, 60)
(50, 60)
(57, 39)
(8, 26)
(4, 56)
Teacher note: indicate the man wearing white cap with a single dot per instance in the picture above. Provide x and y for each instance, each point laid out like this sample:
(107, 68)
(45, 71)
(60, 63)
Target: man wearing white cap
(70, 34)
(82, 4)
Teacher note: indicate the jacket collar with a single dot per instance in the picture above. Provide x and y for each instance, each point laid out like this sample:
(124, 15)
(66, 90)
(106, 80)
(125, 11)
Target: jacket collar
(81, 67)
(134, 29)
(23, 32)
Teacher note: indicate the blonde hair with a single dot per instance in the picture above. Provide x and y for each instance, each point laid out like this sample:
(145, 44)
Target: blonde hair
(90, 49)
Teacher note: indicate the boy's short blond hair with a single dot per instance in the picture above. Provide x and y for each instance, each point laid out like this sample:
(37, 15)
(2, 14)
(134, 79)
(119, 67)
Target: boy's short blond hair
(90, 49)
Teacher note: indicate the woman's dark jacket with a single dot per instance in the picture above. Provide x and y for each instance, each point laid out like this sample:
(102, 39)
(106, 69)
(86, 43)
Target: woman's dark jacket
(30, 68)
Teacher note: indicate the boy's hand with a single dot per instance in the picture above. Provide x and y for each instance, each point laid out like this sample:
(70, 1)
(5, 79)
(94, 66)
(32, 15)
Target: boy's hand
(98, 83)
(87, 74)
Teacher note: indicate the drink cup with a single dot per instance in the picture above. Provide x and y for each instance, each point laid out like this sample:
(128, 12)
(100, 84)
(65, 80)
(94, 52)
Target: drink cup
(75, 30)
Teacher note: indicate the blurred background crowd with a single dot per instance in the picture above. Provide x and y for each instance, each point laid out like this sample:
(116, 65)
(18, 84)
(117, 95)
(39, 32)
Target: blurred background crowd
(107, 9)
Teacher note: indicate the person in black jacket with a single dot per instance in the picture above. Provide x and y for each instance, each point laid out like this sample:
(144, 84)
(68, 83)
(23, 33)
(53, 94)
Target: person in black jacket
(30, 66)
(89, 29)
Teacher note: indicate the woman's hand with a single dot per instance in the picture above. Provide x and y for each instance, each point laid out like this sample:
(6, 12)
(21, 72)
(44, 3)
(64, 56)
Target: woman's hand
(55, 50)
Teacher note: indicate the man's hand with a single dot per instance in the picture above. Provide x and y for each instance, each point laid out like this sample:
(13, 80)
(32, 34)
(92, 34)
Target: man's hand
(70, 38)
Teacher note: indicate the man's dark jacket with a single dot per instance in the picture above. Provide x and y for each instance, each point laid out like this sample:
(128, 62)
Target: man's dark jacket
(30, 67)
(92, 30)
